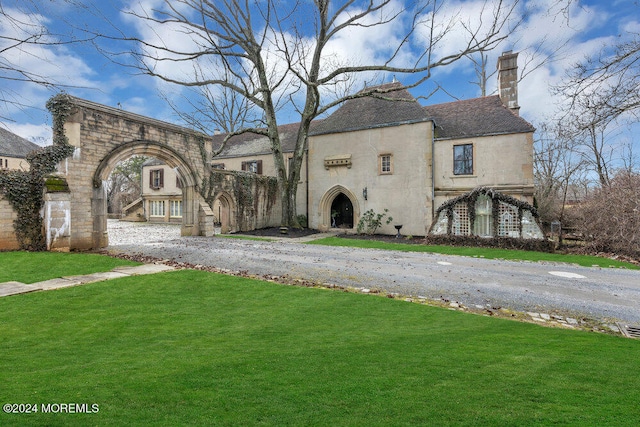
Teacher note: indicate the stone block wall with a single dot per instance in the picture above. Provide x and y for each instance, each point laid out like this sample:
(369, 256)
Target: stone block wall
(57, 221)
(8, 241)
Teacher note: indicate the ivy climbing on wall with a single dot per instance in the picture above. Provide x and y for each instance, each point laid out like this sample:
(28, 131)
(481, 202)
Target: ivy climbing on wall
(250, 191)
(25, 189)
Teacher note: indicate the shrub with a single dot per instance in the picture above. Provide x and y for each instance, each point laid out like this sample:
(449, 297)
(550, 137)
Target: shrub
(609, 218)
(371, 221)
(302, 221)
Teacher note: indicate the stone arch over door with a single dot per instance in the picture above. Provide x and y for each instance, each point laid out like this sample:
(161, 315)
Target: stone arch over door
(223, 210)
(327, 201)
(159, 151)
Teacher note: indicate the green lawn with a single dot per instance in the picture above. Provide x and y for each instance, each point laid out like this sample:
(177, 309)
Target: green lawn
(196, 348)
(31, 267)
(489, 253)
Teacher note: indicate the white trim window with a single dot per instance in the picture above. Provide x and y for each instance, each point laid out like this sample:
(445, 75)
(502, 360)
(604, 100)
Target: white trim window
(175, 208)
(156, 208)
(385, 164)
(483, 224)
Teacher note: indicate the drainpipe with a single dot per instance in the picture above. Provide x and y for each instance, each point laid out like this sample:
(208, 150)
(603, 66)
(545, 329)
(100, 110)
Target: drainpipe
(433, 167)
(306, 172)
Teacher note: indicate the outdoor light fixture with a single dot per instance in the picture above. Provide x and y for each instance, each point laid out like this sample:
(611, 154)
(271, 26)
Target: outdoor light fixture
(364, 193)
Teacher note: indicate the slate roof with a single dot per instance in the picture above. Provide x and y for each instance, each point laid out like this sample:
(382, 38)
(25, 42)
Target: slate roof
(475, 117)
(252, 144)
(483, 116)
(12, 145)
(152, 162)
(386, 107)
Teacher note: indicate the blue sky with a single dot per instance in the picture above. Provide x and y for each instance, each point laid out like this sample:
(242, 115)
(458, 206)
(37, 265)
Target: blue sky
(81, 71)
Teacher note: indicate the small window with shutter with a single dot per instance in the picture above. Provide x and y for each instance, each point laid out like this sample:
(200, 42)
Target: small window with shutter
(254, 166)
(156, 179)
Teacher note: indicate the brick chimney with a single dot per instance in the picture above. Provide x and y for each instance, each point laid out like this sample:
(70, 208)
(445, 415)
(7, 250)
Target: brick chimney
(508, 80)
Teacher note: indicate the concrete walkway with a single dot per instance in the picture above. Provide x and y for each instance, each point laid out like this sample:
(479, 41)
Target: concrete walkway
(14, 288)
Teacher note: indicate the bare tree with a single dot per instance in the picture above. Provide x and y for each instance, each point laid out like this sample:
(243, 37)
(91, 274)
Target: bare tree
(611, 80)
(23, 31)
(557, 167)
(601, 94)
(124, 183)
(274, 54)
(609, 218)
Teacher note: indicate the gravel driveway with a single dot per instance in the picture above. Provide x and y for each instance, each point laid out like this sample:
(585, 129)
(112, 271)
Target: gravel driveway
(606, 295)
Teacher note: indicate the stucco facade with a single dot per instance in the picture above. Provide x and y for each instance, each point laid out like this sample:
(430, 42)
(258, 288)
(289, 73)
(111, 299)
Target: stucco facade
(161, 193)
(503, 162)
(404, 189)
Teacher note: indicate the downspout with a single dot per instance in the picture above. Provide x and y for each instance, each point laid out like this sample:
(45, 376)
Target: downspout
(433, 167)
(306, 172)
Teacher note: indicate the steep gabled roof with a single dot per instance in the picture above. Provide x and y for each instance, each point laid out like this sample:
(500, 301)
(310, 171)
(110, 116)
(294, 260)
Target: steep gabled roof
(475, 117)
(12, 145)
(385, 107)
(483, 116)
(252, 144)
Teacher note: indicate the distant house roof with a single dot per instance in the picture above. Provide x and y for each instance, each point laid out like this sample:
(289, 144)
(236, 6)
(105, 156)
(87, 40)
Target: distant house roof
(475, 117)
(388, 105)
(12, 145)
(152, 162)
(252, 144)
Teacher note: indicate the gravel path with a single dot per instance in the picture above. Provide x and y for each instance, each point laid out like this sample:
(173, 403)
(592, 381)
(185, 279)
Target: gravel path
(606, 295)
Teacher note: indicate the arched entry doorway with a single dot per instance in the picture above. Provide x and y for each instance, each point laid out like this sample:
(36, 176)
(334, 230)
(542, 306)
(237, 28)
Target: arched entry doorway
(341, 212)
(339, 204)
(222, 211)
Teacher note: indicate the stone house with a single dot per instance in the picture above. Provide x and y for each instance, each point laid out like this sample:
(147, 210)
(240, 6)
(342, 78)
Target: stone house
(14, 150)
(161, 196)
(375, 153)
(388, 152)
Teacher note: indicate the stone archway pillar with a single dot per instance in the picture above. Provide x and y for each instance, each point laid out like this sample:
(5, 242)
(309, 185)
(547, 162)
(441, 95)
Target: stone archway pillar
(190, 207)
(99, 235)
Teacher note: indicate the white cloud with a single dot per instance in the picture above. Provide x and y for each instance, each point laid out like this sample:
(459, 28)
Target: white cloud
(40, 134)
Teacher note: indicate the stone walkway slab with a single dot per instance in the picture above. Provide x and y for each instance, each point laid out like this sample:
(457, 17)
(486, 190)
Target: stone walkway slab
(15, 288)
(143, 269)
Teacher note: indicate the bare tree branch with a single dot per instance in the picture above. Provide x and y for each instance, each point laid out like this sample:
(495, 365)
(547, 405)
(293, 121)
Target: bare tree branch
(272, 53)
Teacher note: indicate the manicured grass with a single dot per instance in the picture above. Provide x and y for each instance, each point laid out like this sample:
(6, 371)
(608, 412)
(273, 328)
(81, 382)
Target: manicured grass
(31, 267)
(196, 348)
(489, 253)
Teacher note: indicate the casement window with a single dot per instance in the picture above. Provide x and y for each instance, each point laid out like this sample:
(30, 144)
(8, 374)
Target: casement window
(463, 159)
(156, 208)
(385, 164)
(156, 179)
(483, 224)
(254, 166)
(4, 163)
(218, 166)
(175, 208)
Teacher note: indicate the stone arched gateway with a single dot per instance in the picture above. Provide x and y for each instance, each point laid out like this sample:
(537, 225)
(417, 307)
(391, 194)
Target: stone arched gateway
(102, 136)
(223, 209)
